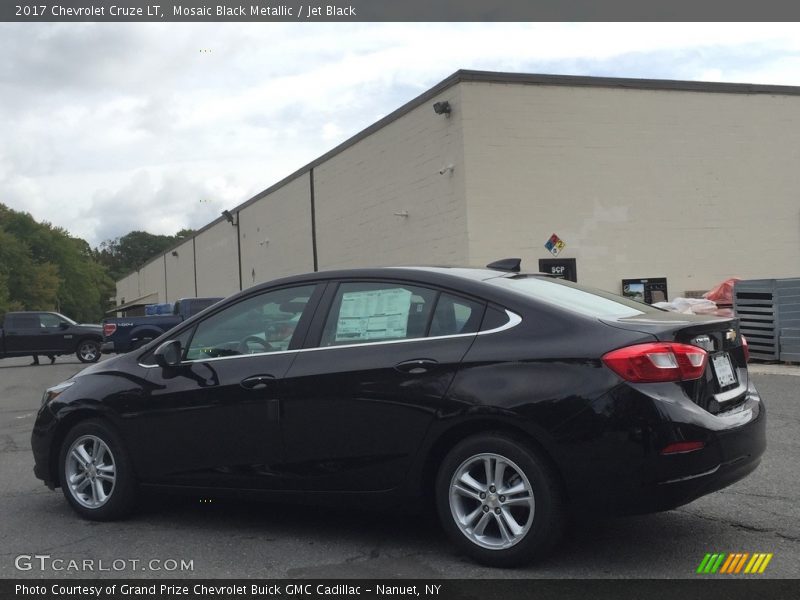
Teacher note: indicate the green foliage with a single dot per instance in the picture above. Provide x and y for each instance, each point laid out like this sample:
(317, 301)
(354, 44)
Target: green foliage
(43, 268)
(125, 254)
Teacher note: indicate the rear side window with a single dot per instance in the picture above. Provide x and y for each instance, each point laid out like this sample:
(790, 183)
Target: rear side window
(374, 312)
(494, 318)
(455, 315)
(24, 322)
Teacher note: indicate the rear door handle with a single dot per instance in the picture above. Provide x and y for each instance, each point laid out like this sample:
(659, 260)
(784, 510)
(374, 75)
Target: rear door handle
(257, 382)
(417, 366)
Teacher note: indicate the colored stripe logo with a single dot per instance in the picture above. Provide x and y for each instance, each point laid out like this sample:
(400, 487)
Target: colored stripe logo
(734, 563)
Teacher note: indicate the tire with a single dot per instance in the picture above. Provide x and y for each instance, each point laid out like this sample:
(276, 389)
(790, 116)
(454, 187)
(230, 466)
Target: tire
(88, 351)
(499, 529)
(111, 489)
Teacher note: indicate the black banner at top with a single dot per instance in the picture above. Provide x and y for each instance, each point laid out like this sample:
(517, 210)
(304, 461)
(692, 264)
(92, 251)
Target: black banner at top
(397, 10)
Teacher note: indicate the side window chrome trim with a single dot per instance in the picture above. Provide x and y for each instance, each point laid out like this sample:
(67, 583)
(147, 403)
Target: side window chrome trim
(513, 320)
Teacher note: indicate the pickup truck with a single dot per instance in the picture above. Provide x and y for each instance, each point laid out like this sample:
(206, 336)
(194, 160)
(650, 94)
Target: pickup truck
(27, 333)
(123, 334)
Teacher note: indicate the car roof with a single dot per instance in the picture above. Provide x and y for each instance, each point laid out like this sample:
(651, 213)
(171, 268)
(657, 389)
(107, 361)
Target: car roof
(471, 281)
(431, 274)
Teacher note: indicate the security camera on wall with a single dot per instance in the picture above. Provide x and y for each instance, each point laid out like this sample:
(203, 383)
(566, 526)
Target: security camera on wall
(447, 169)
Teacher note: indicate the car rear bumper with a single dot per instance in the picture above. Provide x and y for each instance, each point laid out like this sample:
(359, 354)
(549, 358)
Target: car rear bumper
(628, 474)
(107, 348)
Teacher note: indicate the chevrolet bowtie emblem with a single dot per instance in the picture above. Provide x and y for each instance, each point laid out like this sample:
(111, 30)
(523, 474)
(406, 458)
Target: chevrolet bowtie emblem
(731, 335)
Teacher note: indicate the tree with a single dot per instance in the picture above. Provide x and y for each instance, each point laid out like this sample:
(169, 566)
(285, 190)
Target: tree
(43, 268)
(129, 252)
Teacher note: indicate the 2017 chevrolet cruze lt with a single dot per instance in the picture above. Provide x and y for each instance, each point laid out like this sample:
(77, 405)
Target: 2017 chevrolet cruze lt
(507, 398)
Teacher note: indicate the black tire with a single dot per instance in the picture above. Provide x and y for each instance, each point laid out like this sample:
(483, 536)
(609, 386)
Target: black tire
(88, 351)
(518, 528)
(120, 495)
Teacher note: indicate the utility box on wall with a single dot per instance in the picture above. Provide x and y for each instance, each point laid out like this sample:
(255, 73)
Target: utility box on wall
(769, 317)
(650, 290)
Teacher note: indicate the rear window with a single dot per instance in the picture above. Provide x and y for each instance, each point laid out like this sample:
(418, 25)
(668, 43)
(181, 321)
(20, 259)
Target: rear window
(571, 296)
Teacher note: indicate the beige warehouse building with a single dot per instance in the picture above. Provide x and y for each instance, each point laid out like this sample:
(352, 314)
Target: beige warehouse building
(692, 182)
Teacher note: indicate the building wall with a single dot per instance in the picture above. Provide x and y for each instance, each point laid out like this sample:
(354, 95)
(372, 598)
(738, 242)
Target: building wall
(693, 186)
(151, 280)
(696, 187)
(395, 170)
(217, 260)
(180, 272)
(128, 288)
(276, 234)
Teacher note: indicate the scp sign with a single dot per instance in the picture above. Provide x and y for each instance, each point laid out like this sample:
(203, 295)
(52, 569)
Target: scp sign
(563, 268)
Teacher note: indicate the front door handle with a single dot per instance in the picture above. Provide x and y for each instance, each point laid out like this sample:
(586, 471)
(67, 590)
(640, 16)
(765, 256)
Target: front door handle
(257, 382)
(417, 366)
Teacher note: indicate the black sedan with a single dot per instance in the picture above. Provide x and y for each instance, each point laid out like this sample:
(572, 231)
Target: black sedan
(507, 399)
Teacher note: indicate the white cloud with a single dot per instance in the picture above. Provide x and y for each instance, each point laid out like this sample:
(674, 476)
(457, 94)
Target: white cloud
(105, 128)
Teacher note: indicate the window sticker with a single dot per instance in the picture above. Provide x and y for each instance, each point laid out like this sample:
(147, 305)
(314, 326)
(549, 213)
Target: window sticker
(373, 315)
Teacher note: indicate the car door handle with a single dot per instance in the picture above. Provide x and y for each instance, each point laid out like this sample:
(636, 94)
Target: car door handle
(257, 382)
(417, 366)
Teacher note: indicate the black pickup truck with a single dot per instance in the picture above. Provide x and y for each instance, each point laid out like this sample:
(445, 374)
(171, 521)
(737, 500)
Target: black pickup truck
(28, 333)
(123, 334)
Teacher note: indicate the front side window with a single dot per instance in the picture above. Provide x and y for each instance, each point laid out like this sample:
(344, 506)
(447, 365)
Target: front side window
(262, 323)
(50, 320)
(375, 312)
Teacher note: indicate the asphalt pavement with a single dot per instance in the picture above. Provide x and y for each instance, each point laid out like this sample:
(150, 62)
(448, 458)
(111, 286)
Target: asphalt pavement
(203, 538)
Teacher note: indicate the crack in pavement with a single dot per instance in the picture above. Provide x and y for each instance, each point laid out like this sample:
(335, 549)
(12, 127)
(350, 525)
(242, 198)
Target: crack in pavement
(770, 496)
(742, 526)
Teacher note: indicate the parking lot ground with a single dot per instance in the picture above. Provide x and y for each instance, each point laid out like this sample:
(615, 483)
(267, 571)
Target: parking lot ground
(244, 539)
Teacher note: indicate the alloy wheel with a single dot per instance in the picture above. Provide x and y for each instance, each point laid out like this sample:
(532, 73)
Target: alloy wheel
(88, 351)
(492, 501)
(90, 471)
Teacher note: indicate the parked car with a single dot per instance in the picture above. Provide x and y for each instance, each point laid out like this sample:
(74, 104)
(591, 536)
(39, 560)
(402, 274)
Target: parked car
(32, 332)
(507, 399)
(123, 334)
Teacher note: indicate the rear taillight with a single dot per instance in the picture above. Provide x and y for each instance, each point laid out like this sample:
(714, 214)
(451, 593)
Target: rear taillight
(657, 362)
(746, 348)
(109, 329)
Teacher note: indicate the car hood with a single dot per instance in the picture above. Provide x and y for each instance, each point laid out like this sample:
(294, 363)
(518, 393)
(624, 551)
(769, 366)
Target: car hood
(110, 365)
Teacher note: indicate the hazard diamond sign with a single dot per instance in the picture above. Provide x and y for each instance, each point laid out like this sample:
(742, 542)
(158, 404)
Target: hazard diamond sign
(555, 245)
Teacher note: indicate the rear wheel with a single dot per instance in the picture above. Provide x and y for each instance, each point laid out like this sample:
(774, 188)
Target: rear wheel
(96, 475)
(88, 351)
(499, 500)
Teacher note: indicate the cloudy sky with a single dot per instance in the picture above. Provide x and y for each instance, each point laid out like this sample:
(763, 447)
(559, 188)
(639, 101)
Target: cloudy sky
(106, 128)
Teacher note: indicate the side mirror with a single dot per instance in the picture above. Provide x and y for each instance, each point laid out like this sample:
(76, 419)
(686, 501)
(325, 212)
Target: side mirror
(63, 325)
(168, 354)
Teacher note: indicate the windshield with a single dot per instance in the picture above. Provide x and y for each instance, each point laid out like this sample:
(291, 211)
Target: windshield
(565, 294)
(67, 319)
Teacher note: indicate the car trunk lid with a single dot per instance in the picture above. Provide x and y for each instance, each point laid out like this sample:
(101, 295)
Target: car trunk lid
(724, 384)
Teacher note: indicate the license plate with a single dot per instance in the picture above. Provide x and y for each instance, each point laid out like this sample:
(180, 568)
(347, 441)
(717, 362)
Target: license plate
(723, 370)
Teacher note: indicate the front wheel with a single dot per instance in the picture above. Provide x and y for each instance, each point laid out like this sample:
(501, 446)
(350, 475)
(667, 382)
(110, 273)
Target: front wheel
(96, 474)
(499, 500)
(88, 351)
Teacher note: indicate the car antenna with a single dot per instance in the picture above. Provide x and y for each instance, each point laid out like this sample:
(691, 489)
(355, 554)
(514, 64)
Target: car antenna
(506, 264)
